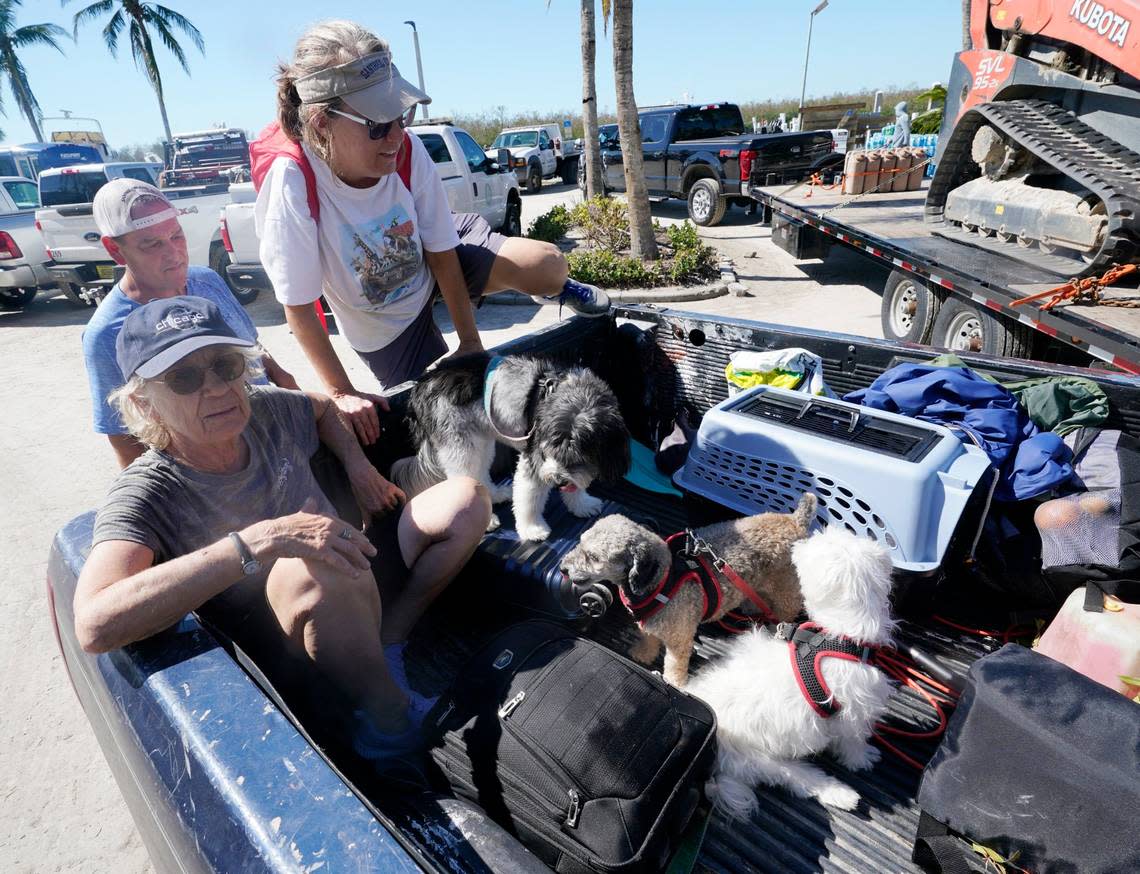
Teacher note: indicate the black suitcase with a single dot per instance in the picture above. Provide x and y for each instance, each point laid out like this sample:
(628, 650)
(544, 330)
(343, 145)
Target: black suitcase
(1038, 762)
(593, 762)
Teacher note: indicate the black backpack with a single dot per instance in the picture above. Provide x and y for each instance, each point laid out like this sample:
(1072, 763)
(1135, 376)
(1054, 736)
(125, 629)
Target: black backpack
(1037, 761)
(594, 763)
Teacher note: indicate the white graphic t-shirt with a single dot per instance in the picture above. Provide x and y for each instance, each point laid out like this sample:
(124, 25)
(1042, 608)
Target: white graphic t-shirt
(366, 254)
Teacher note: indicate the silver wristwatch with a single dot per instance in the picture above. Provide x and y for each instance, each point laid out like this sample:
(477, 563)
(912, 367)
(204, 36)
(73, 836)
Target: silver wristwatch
(249, 564)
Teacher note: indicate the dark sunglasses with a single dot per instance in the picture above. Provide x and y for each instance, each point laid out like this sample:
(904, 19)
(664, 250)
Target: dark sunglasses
(377, 130)
(189, 378)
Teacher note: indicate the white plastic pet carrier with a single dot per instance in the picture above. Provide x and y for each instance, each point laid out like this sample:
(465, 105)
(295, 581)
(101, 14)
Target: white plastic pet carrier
(896, 479)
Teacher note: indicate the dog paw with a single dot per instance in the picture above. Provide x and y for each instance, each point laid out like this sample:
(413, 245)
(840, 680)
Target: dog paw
(493, 524)
(501, 492)
(534, 531)
(585, 505)
(859, 758)
(835, 794)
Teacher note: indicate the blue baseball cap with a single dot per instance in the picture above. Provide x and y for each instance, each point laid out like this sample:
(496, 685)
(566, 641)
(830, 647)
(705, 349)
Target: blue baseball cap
(158, 335)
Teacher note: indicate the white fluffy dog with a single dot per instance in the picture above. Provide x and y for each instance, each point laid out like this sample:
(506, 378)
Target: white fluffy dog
(765, 722)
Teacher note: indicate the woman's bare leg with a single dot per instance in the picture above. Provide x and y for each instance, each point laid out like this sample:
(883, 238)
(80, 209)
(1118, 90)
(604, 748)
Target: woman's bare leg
(438, 531)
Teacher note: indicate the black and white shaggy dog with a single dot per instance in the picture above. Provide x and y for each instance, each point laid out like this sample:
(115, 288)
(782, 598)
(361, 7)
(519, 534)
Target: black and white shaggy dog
(564, 421)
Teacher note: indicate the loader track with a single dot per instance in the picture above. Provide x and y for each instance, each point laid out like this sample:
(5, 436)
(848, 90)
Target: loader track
(1058, 138)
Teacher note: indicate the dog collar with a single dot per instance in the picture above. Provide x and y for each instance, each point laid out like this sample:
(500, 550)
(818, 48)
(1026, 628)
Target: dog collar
(808, 645)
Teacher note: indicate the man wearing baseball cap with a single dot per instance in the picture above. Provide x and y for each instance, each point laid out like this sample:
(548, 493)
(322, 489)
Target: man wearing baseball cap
(140, 229)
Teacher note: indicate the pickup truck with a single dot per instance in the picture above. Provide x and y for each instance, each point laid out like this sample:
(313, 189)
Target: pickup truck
(206, 157)
(537, 152)
(81, 266)
(703, 154)
(23, 261)
(473, 181)
(222, 773)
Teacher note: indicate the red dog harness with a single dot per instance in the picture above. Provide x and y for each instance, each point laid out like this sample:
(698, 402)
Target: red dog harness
(689, 565)
(808, 645)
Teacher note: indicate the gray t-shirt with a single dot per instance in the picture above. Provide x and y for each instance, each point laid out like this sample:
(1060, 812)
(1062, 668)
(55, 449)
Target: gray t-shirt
(173, 509)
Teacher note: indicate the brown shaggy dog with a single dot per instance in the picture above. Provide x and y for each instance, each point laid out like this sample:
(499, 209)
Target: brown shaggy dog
(758, 548)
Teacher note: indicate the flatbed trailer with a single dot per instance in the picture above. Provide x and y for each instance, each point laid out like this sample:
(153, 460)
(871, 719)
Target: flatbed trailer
(947, 290)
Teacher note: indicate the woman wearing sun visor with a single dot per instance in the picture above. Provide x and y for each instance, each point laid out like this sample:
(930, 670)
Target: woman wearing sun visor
(379, 245)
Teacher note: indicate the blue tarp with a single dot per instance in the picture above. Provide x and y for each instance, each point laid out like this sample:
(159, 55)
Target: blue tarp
(1030, 461)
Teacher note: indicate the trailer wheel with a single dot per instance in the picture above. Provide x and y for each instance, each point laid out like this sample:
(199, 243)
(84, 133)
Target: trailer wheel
(909, 308)
(16, 298)
(963, 327)
(706, 203)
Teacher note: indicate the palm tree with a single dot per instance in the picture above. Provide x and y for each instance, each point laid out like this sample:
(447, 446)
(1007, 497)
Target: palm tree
(642, 243)
(967, 40)
(13, 39)
(593, 154)
(140, 18)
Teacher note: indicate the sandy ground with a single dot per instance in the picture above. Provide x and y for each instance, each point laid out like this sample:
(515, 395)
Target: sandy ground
(61, 808)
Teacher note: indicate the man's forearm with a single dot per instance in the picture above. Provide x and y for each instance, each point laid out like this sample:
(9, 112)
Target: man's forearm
(447, 272)
(318, 348)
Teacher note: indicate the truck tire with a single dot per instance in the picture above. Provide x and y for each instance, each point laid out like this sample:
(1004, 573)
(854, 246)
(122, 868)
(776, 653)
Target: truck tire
(569, 170)
(533, 178)
(16, 298)
(963, 327)
(706, 203)
(219, 261)
(512, 221)
(74, 294)
(909, 308)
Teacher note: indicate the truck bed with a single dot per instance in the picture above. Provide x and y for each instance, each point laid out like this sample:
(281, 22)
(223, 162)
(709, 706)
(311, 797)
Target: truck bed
(890, 227)
(223, 772)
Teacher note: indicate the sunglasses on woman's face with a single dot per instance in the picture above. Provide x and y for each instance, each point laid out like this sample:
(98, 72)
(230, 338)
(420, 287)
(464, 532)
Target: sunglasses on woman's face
(187, 379)
(377, 130)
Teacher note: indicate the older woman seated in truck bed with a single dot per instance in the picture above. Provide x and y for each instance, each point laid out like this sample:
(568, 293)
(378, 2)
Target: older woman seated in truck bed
(223, 515)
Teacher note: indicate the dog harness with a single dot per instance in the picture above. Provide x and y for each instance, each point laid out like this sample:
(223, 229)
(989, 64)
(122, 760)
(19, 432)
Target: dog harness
(541, 386)
(689, 565)
(808, 645)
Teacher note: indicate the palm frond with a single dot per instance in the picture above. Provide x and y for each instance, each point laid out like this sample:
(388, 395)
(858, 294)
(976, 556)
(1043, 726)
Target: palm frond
(171, 43)
(39, 34)
(143, 52)
(113, 29)
(90, 13)
(21, 90)
(8, 15)
(171, 18)
(607, 8)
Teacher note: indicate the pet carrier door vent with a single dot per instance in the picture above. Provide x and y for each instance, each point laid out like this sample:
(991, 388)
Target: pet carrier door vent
(897, 480)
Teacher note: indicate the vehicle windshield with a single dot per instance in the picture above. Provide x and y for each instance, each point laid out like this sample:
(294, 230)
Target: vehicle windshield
(708, 122)
(511, 139)
(74, 186)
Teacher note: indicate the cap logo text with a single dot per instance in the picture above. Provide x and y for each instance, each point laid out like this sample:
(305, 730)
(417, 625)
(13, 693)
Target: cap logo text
(179, 320)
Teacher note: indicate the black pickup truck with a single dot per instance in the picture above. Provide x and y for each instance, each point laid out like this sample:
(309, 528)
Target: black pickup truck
(705, 154)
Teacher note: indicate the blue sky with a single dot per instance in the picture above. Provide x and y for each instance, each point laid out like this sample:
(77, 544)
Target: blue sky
(478, 56)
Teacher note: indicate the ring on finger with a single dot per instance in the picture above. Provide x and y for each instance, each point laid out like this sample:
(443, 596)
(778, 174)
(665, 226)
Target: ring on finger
(346, 533)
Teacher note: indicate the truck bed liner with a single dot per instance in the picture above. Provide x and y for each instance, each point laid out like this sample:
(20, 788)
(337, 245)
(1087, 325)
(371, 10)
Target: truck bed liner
(787, 834)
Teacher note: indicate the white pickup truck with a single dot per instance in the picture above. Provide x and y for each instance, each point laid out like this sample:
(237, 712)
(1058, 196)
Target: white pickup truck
(474, 182)
(81, 266)
(23, 261)
(538, 152)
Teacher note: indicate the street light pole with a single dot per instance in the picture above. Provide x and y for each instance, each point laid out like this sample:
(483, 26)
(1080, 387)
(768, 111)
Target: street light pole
(807, 55)
(420, 66)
